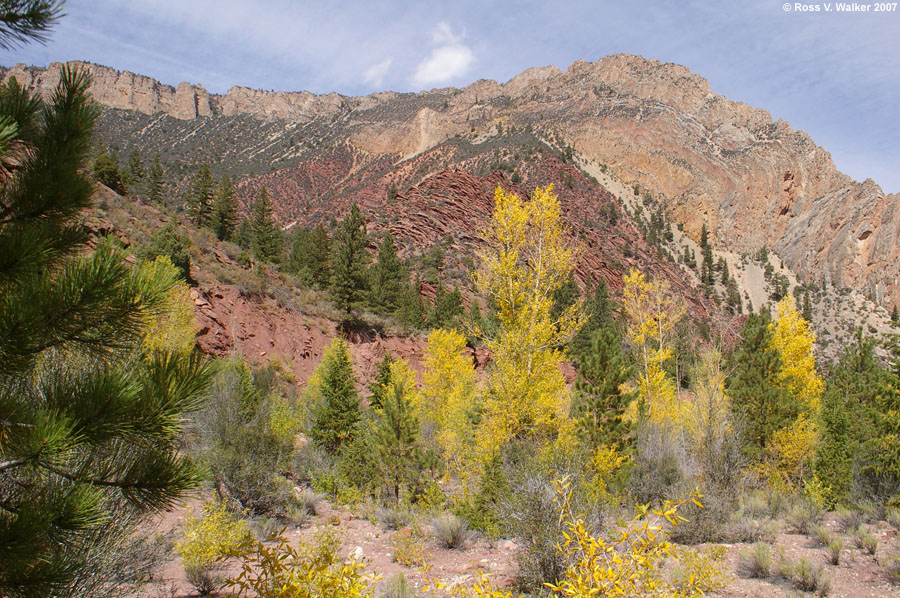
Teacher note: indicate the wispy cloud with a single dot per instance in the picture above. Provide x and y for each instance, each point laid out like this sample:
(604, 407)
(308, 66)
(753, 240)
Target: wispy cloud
(450, 60)
(374, 75)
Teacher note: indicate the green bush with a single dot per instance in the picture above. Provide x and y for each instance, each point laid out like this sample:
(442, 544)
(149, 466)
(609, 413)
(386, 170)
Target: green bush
(450, 530)
(756, 562)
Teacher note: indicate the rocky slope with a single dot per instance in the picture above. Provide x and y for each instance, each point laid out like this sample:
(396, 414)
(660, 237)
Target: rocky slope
(708, 160)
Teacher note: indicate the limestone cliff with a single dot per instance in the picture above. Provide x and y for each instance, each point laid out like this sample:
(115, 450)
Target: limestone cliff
(752, 180)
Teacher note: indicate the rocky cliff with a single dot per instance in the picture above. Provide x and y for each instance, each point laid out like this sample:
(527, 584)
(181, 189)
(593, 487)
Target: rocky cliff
(752, 180)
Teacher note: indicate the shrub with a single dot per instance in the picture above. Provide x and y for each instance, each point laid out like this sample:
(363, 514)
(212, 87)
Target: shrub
(820, 535)
(756, 561)
(312, 570)
(398, 587)
(834, 551)
(892, 516)
(892, 568)
(207, 540)
(309, 502)
(849, 520)
(867, 541)
(753, 530)
(450, 530)
(406, 547)
(804, 516)
(394, 518)
(810, 578)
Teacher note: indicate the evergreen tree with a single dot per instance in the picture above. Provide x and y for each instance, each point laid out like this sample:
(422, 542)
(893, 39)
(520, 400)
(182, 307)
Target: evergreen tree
(349, 260)
(759, 402)
(338, 413)
(133, 174)
(857, 421)
(106, 171)
(168, 241)
(835, 448)
(224, 210)
(598, 310)
(200, 197)
(895, 315)
(89, 420)
(243, 236)
(446, 310)
(707, 275)
(378, 386)
(156, 182)
(265, 235)
(397, 439)
(412, 310)
(308, 258)
(807, 308)
(387, 276)
(599, 403)
(27, 20)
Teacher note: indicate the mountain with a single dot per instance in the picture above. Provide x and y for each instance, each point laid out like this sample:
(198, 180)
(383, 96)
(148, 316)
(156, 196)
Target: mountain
(651, 126)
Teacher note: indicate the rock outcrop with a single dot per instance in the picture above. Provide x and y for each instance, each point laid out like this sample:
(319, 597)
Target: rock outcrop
(753, 181)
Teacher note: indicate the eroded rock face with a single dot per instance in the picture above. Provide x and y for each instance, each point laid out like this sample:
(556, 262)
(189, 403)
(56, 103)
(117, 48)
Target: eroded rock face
(752, 180)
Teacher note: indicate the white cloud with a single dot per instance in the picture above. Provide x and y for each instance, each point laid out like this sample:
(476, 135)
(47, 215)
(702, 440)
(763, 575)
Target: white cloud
(374, 75)
(451, 59)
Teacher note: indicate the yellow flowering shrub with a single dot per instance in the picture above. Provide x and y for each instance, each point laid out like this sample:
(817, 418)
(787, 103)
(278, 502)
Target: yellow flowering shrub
(311, 570)
(207, 539)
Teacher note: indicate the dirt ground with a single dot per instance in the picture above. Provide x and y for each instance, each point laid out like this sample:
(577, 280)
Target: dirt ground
(859, 575)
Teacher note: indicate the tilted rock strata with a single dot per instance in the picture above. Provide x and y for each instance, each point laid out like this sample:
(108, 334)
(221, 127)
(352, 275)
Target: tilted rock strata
(752, 180)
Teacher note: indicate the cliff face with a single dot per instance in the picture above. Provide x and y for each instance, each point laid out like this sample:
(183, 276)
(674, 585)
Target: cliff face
(753, 181)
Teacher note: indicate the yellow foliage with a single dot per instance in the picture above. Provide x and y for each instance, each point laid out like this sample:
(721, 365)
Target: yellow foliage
(652, 314)
(312, 570)
(606, 462)
(794, 341)
(448, 400)
(791, 452)
(706, 417)
(403, 376)
(174, 327)
(285, 417)
(792, 448)
(211, 537)
(629, 562)
(526, 260)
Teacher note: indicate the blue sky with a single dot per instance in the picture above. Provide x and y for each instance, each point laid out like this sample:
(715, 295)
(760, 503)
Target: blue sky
(835, 75)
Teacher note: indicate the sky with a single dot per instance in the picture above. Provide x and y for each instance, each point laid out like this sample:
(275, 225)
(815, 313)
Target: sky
(834, 74)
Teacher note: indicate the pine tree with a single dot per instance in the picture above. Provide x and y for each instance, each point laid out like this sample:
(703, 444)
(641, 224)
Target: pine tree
(133, 174)
(308, 259)
(106, 171)
(27, 20)
(835, 448)
(387, 277)
(200, 197)
(381, 381)
(598, 312)
(265, 235)
(759, 401)
(397, 438)
(446, 310)
(706, 269)
(349, 260)
(412, 310)
(338, 413)
(895, 315)
(89, 420)
(224, 210)
(156, 182)
(168, 241)
(599, 402)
